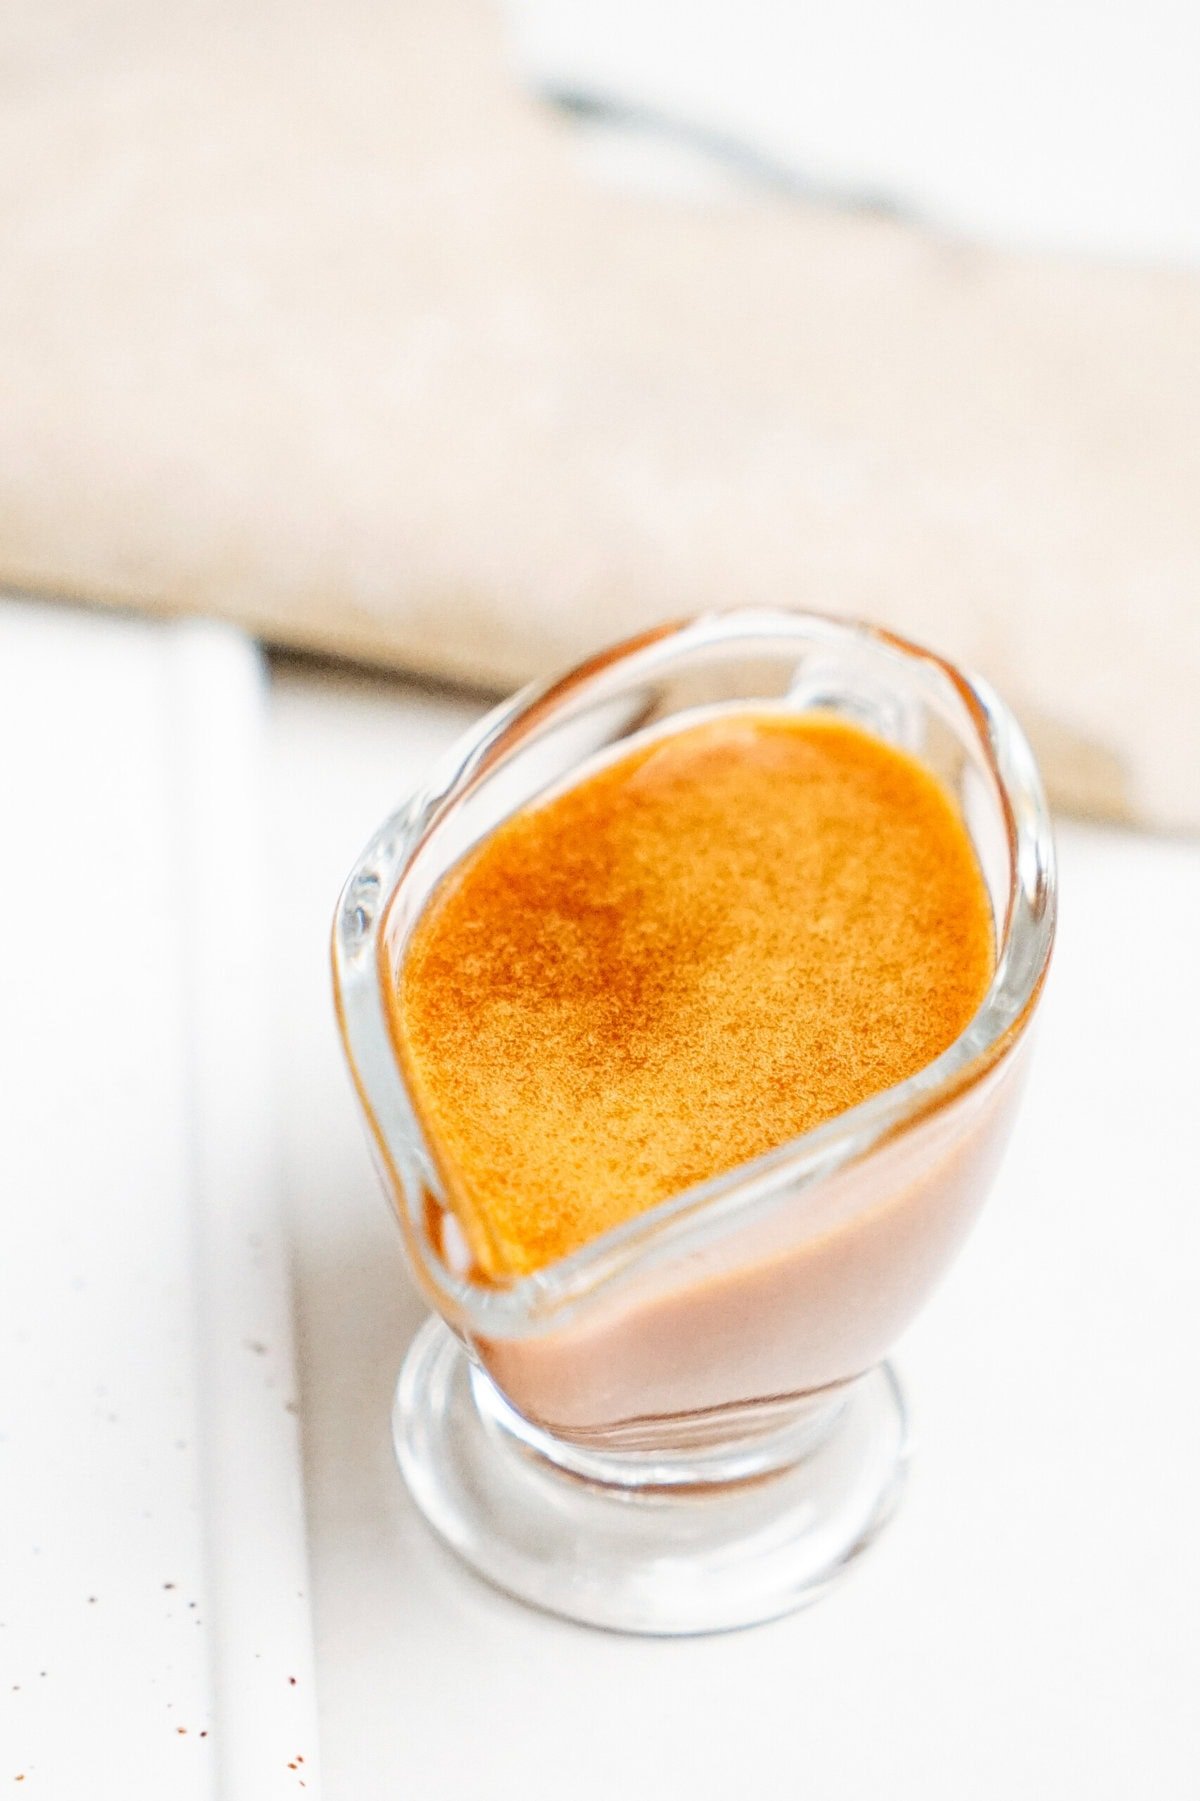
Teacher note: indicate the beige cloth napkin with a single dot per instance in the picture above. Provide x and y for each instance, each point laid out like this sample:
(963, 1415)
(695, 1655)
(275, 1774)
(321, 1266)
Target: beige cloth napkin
(309, 318)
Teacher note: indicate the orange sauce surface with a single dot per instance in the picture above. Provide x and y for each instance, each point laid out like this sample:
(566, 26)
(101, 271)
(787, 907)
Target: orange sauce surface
(700, 951)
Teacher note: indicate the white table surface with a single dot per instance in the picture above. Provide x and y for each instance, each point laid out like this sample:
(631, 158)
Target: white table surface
(1027, 1626)
(155, 1630)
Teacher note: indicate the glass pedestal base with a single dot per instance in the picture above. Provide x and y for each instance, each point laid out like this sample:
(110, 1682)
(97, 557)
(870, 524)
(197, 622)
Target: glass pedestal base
(660, 1557)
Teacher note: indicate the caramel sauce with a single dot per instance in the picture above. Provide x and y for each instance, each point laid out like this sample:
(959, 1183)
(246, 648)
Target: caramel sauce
(719, 941)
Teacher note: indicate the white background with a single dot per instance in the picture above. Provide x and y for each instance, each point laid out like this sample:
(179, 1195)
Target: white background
(1061, 126)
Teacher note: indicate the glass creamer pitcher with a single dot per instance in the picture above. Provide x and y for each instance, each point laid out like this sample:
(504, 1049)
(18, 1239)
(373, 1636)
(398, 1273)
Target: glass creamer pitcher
(688, 1424)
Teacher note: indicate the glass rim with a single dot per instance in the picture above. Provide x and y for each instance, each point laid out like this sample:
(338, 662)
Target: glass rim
(545, 1298)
